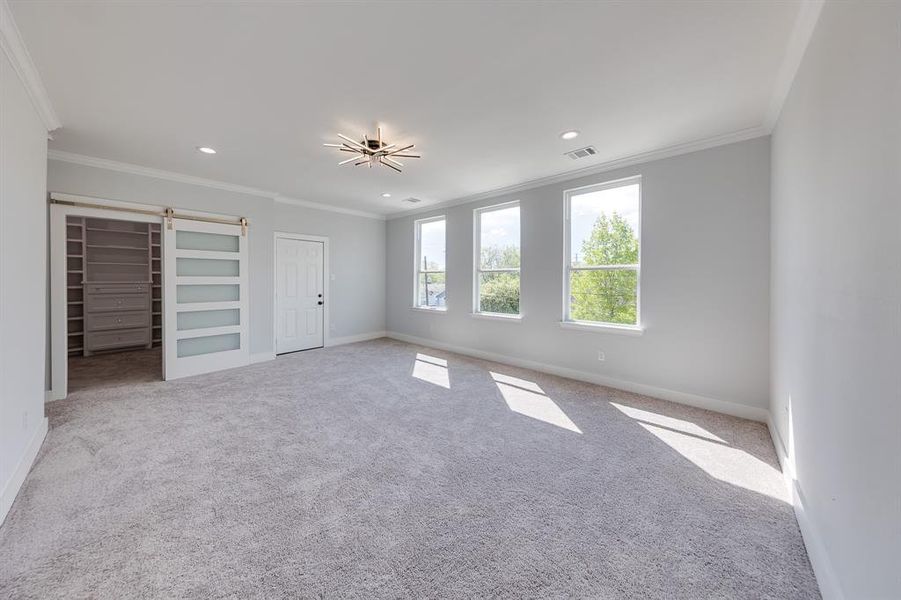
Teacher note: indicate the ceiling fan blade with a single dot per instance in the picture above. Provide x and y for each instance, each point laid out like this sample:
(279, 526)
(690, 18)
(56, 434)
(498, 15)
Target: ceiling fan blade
(344, 162)
(390, 166)
(353, 143)
(362, 162)
(404, 155)
(393, 162)
(385, 147)
(334, 145)
(379, 130)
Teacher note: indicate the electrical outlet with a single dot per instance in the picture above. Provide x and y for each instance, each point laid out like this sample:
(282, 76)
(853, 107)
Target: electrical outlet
(601, 356)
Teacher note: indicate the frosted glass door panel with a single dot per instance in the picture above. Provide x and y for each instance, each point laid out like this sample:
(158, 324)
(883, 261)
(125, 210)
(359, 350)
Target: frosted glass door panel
(195, 240)
(188, 294)
(202, 319)
(206, 267)
(208, 345)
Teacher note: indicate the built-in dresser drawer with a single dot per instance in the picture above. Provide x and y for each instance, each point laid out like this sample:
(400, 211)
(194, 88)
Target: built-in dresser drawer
(117, 288)
(107, 340)
(100, 303)
(118, 320)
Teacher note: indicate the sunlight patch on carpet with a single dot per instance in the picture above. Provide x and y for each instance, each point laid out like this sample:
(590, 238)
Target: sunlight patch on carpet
(527, 398)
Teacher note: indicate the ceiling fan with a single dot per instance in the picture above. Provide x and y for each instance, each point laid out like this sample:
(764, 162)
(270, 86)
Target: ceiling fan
(373, 151)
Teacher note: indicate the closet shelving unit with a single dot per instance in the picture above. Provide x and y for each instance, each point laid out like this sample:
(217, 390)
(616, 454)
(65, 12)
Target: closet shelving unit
(113, 285)
(156, 315)
(74, 286)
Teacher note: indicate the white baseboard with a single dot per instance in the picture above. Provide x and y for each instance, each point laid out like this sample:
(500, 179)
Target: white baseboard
(722, 406)
(352, 339)
(816, 549)
(261, 357)
(11, 490)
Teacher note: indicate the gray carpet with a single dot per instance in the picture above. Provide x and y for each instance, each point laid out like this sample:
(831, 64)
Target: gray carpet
(362, 472)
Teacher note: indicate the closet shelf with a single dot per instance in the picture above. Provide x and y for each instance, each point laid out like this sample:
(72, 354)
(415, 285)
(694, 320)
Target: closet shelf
(74, 333)
(75, 318)
(114, 247)
(75, 256)
(117, 231)
(127, 264)
(73, 239)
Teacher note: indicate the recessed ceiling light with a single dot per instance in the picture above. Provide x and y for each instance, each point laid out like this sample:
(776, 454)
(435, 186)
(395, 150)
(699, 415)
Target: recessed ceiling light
(569, 135)
(206, 150)
(386, 195)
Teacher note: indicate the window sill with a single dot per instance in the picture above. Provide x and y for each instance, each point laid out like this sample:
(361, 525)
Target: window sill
(633, 330)
(437, 311)
(496, 317)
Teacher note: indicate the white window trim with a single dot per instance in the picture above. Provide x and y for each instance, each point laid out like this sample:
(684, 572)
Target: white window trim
(417, 253)
(497, 317)
(476, 262)
(599, 326)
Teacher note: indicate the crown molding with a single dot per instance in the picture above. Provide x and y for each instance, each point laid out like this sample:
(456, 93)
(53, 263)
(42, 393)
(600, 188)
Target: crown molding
(317, 206)
(802, 31)
(619, 163)
(131, 169)
(15, 50)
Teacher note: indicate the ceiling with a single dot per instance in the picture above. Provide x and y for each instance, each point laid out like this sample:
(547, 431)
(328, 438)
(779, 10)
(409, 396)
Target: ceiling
(482, 89)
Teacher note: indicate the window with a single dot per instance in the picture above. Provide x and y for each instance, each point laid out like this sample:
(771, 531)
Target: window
(431, 275)
(603, 233)
(497, 259)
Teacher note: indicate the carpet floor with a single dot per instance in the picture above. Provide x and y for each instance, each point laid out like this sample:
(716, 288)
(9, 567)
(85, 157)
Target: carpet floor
(386, 470)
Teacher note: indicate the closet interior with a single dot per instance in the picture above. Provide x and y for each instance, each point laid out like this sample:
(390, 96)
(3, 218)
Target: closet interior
(114, 296)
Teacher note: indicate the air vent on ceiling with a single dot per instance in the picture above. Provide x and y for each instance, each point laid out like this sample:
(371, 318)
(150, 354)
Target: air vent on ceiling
(582, 152)
(412, 200)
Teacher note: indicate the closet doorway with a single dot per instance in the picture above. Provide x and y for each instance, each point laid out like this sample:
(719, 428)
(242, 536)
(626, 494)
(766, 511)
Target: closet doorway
(113, 302)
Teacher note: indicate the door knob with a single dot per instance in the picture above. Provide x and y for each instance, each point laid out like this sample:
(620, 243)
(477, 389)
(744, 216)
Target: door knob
(319, 303)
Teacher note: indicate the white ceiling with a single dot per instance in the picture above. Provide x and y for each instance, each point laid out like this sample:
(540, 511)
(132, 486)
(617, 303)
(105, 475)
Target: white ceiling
(482, 89)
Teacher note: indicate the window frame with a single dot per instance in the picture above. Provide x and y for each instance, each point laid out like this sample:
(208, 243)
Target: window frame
(568, 322)
(477, 262)
(417, 255)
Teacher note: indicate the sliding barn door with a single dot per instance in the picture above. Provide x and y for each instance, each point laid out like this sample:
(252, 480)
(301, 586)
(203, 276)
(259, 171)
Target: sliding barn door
(205, 298)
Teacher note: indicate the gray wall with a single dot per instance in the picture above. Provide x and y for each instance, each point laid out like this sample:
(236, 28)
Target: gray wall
(704, 286)
(23, 259)
(836, 295)
(356, 244)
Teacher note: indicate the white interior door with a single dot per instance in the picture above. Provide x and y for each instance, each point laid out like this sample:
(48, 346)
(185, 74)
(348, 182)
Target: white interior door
(205, 316)
(298, 295)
